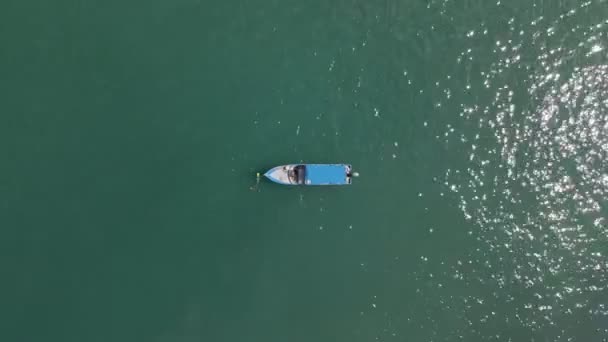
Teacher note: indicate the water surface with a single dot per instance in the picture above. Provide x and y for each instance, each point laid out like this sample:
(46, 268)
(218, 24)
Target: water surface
(131, 134)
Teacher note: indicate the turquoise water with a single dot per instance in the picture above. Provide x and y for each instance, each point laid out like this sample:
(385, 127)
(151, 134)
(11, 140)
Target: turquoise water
(131, 133)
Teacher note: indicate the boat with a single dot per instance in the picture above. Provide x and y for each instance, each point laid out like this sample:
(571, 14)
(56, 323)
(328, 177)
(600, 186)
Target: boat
(312, 174)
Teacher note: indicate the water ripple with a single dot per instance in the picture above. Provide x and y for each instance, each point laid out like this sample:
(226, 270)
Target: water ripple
(536, 180)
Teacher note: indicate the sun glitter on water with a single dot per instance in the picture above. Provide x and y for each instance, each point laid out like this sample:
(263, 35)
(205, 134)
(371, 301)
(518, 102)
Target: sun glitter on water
(536, 182)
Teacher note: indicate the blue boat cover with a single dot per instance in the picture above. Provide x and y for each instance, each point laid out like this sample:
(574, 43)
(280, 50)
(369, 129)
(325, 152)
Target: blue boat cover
(321, 174)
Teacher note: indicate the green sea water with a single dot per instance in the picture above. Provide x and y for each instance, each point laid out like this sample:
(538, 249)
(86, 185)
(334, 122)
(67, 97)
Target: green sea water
(131, 134)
